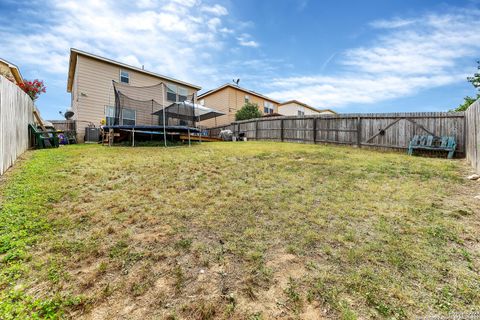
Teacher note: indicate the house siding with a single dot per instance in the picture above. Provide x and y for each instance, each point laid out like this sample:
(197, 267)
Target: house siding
(291, 109)
(92, 91)
(229, 100)
(219, 101)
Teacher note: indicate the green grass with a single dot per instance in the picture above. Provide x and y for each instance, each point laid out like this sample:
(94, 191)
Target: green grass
(236, 231)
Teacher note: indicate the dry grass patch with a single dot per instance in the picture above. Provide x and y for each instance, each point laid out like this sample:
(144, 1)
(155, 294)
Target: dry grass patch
(237, 231)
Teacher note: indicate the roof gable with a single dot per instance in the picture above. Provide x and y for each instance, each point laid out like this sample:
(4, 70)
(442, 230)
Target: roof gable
(73, 60)
(305, 105)
(228, 85)
(14, 70)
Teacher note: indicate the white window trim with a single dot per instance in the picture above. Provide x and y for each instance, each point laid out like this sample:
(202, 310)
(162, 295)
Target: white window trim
(128, 76)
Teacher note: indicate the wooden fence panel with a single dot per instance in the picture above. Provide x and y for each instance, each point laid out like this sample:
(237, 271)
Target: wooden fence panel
(298, 130)
(342, 130)
(383, 130)
(269, 130)
(16, 112)
(64, 125)
(472, 120)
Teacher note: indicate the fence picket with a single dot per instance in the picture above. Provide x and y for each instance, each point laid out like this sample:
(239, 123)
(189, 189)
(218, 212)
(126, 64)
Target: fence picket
(16, 112)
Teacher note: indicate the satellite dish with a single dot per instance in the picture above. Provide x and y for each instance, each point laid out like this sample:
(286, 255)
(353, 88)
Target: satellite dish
(68, 114)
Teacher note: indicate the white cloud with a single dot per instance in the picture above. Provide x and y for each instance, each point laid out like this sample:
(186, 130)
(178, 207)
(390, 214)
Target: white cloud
(188, 40)
(391, 24)
(406, 58)
(226, 30)
(328, 91)
(217, 10)
(245, 40)
(166, 35)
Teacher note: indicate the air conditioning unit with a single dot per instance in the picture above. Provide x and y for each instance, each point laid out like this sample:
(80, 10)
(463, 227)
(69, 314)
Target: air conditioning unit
(92, 135)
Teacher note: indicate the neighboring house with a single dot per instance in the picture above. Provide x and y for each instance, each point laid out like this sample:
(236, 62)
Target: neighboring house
(297, 108)
(92, 95)
(230, 98)
(10, 71)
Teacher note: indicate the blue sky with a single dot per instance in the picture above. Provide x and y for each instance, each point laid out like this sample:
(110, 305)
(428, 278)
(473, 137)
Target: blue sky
(352, 56)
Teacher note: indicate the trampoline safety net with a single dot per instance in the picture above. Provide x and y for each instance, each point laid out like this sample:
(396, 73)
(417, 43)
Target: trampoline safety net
(149, 105)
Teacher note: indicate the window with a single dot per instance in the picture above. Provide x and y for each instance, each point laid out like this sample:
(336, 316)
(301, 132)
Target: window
(247, 98)
(128, 117)
(109, 115)
(124, 78)
(172, 92)
(301, 113)
(182, 94)
(267, 107)
(202, 102)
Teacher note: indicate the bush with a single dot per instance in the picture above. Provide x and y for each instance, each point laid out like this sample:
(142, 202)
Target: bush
(248, 111)
(33, 88)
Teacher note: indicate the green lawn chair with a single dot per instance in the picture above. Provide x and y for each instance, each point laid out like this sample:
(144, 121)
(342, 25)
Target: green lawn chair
(44, 139)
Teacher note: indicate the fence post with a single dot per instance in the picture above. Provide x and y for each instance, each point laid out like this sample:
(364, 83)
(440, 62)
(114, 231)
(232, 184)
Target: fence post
(314, 130)
(281, 130)
(464, 133)
(359, 132)
(256, 129)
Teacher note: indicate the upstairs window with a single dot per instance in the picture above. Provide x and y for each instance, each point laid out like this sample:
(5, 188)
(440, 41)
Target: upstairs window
(176, 93)
(182, 94)
(124, 78)
(267, 107)
(172, 92)
(301, 113)
(247, 99)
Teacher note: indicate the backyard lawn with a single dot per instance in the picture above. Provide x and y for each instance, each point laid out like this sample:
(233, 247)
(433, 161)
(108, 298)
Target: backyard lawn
(253, 230)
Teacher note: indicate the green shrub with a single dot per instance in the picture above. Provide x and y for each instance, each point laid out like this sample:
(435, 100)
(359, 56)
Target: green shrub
(248, 111)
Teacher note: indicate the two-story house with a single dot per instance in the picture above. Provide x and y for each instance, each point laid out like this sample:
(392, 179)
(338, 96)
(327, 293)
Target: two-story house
(92, 95)
(230, 98)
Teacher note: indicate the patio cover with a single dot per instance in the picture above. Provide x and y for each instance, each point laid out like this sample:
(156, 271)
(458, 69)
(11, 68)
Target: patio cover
(184, 110)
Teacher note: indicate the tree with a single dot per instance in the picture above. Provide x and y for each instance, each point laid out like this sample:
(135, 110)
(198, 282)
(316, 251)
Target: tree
(467, 101)
(248, 111)
(475, 80)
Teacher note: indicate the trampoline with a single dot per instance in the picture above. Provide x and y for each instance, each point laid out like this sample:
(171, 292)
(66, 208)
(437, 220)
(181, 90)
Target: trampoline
(152, 115)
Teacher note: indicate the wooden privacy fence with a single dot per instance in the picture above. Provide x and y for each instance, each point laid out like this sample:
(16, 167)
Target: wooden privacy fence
(16, 112)
(379, 130)
(472, 148)
(64, 125)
